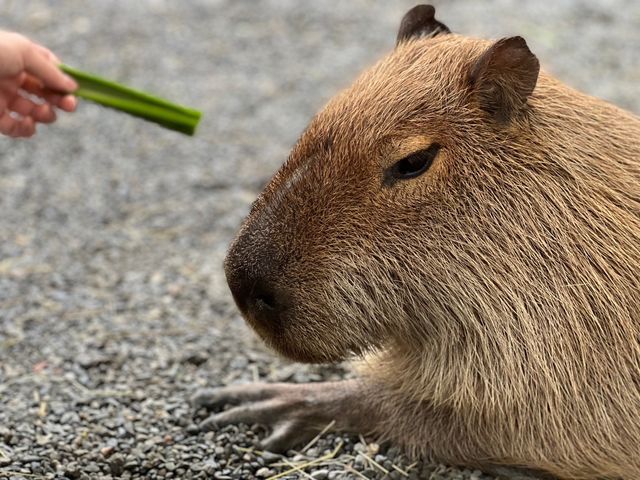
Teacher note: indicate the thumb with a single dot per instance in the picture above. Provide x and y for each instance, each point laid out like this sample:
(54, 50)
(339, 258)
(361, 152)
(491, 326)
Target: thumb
(46, 70)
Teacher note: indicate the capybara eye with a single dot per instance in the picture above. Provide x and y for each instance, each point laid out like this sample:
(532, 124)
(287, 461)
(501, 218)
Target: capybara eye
(415, 164)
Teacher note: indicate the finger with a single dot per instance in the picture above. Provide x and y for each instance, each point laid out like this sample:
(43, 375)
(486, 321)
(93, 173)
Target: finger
(40, 112)
(16, 127)
(37, 64)
(44, 114)
(7, 123)
(22, 105)
(25, 128)
(232, 395)
(32, 85)
(68, 103)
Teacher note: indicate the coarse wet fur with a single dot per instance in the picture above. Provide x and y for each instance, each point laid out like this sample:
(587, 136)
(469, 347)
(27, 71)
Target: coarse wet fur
(470, 227)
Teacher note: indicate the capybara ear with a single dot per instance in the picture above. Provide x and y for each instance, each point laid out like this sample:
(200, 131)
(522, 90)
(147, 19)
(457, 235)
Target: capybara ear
(420, 22)
(504, 76)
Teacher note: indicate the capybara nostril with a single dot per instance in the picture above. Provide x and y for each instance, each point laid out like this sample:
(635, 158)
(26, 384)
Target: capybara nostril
(264, 300)
(254, 291)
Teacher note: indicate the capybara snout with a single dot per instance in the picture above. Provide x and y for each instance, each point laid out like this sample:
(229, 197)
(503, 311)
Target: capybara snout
(286, 268)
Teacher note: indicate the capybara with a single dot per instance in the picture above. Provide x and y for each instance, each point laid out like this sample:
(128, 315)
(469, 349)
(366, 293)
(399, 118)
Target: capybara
(468, 227)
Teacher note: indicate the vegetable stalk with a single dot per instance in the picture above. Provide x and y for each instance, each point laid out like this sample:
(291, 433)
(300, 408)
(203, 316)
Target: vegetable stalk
(134, 102)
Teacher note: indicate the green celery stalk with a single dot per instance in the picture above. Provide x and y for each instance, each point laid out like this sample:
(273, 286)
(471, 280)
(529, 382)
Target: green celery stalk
(134, 102)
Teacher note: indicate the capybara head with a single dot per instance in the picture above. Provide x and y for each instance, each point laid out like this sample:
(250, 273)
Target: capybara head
(442, 192)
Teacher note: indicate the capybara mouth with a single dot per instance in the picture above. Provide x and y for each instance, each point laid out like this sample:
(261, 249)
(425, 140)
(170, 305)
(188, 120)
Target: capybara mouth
(290, 336)
(268, 330)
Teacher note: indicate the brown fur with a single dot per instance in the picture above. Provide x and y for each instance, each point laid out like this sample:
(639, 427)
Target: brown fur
(496, 297)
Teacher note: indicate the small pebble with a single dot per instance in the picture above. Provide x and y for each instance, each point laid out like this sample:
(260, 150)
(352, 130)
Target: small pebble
(264, 472)
(107, 451)
(320, 474)
(193, 429)
(270, 457)
(116, 464)
(72, 470)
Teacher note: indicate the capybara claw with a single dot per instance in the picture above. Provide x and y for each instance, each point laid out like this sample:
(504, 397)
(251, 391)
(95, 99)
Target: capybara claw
(204, 398)
(293, 413)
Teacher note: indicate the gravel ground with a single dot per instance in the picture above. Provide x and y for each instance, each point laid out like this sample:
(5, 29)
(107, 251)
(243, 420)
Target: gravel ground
(113, 304)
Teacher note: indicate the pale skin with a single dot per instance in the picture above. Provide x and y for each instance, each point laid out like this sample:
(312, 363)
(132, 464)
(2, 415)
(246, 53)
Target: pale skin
(32, 86)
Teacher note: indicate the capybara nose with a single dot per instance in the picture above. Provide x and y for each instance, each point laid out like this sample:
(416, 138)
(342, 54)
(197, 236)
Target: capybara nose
(254, 293)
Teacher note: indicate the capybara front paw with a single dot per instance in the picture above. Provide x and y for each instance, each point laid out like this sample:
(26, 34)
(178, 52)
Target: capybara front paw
(293, 413)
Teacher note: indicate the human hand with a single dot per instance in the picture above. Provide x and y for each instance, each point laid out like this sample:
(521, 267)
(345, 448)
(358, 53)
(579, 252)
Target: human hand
(31, 85)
